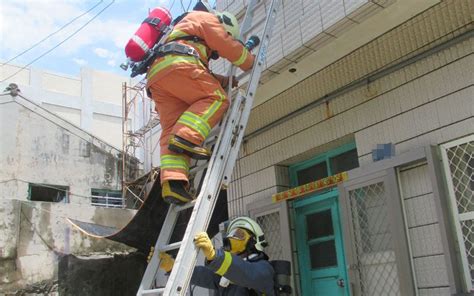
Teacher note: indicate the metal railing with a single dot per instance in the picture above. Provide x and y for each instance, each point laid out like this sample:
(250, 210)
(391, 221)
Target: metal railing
(107, 201)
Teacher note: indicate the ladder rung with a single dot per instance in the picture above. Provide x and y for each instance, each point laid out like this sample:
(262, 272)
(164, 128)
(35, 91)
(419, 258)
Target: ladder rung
(210, 141)
(158, 291)
(171, 247)
(214, 132)
(198, 168)
(226, 139)
(185, 206)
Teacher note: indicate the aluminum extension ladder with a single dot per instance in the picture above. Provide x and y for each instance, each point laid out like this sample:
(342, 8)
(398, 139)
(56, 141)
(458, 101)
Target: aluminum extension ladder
(220, 167)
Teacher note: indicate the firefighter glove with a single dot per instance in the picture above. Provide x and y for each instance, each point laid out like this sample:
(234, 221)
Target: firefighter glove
(202, 241)
(166, 262)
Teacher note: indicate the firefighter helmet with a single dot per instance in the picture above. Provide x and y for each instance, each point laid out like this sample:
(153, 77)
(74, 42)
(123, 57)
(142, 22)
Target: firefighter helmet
(229, 21)
(251, 226)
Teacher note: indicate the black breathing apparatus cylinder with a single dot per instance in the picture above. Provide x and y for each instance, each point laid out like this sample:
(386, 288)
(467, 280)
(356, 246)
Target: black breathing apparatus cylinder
(282, 277)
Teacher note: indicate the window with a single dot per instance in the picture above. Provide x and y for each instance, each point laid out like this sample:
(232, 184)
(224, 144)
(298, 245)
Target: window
(320, 234)
(344, 161)
(49, 193)
(107, 198)
(313, 173)
(327, 164)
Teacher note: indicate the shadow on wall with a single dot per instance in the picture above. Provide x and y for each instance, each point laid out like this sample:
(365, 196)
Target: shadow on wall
(118, 275)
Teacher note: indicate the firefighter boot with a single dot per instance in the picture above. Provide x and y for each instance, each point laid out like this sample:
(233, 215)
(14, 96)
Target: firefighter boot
(176, 192)
(182, 146)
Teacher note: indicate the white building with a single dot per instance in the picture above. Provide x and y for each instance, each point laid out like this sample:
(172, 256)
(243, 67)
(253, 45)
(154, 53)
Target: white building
(92, 101)
(358, 155)
(343, 77)
(52, 169)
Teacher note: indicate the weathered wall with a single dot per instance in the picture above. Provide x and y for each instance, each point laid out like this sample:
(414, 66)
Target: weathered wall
(35, 236)
(39, 147)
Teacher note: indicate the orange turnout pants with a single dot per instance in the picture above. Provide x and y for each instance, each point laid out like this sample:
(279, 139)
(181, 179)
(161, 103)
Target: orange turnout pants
(190, 102)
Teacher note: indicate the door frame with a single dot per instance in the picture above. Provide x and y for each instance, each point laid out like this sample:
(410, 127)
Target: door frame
(323, 157)
(324, 201)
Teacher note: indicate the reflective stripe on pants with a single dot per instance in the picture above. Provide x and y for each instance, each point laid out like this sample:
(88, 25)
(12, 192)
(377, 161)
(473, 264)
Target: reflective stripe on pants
(190, 102)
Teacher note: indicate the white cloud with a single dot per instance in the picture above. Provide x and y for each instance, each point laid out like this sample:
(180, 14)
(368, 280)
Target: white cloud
(26, 22)
(101, 52)
(80, 62)
(100, 43)
(106, 54)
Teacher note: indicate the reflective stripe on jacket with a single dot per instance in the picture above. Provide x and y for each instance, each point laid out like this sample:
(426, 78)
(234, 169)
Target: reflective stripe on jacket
(214, 37)
(244, 275)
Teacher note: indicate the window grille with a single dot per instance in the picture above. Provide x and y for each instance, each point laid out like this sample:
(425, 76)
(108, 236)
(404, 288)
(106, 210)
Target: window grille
(270, 223)
(458, 161)
(108, 199)
(374, 246)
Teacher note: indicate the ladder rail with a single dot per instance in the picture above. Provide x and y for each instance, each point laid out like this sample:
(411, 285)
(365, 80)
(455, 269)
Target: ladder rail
(223, 161)
(252, 86)
(220, 167)
(186, 260)
(154, 263)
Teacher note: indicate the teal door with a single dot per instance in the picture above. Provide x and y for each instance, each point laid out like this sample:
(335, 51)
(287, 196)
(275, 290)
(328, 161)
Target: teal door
(320, 247)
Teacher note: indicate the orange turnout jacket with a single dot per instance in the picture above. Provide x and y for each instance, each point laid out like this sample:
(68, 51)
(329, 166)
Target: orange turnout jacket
(188, 98)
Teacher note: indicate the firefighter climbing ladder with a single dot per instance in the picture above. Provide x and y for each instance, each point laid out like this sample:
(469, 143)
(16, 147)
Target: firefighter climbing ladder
(220, 167)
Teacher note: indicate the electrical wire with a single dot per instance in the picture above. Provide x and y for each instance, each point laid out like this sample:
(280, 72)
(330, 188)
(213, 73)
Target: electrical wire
(189, 5)
(69, 193)
(51, 248)
(172, 4)
(52, 34)
(47, 186)
(66, 39)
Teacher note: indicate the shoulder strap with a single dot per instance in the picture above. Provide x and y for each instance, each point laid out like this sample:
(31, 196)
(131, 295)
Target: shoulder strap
(188, 38)
(179, 18)
(155, 22)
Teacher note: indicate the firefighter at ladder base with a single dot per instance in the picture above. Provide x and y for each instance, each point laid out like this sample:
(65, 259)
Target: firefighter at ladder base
(189, 99)
(240, 268)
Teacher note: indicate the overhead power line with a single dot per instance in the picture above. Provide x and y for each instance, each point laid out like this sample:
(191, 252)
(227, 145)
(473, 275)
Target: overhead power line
(182, 5)
(52, 34)
(66, 39)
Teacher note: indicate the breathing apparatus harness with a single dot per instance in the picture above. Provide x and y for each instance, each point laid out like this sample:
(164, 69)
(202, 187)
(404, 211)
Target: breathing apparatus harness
(171, 47)
(281, 278)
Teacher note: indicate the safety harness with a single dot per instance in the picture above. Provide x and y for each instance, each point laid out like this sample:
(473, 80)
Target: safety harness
(174, 47)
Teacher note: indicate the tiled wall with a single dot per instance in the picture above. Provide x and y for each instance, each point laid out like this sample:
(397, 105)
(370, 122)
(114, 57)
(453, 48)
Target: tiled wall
(301, 26)
(424, 231)
(427, 102)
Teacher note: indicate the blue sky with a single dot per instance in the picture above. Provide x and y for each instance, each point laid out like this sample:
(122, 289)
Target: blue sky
(99, 45)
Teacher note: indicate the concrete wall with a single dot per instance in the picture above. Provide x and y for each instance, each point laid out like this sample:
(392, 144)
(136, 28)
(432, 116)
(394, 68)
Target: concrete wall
(40, 147)
(92, 101)
(36, 235)
(424, 231)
